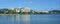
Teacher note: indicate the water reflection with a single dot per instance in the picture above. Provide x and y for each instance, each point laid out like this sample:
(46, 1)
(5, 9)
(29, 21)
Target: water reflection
(16, 19)
(30, 19)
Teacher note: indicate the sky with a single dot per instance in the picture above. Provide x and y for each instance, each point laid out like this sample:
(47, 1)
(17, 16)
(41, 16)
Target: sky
(38, 5)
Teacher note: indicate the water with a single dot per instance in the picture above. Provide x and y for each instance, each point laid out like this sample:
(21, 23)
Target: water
(30, 19)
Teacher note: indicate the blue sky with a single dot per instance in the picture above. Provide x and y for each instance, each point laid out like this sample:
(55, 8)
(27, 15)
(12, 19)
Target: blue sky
(39, 5)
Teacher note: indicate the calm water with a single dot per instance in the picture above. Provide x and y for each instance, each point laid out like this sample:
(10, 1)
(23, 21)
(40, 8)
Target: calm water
(30, 19)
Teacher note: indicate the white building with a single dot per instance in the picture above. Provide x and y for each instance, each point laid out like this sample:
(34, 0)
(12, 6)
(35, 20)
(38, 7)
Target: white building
(17, 9)
(26, 9)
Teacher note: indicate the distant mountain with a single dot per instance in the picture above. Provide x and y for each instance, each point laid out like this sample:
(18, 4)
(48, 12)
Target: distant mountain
(55, 11)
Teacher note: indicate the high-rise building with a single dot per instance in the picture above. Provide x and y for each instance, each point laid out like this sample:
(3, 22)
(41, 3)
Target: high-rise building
(26, 9)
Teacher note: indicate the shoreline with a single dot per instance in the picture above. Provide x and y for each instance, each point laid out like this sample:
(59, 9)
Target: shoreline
(15, 14)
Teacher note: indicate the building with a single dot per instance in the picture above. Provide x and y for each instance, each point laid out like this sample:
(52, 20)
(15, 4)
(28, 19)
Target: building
(26, 9)
(17, 9)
